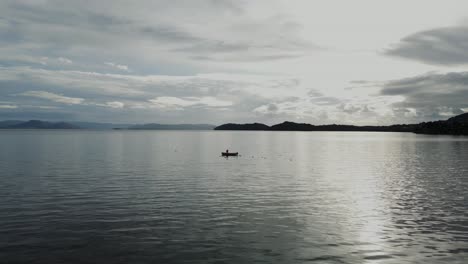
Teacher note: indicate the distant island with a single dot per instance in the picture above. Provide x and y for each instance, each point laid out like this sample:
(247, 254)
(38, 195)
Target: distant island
(35, 124)
(39, 124)
(172, 127)
(457, 125)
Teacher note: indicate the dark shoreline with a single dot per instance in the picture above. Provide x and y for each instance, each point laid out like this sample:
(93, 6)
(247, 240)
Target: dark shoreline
(457, 125)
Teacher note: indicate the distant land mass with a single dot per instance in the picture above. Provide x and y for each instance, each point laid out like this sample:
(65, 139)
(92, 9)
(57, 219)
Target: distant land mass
(253, 126)
(9, 123)
(457, 125)
(94, 125)
(39, 124)
(172, 127)
(36, 124)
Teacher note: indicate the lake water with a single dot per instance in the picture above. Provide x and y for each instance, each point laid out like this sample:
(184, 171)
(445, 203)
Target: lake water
(291, 197)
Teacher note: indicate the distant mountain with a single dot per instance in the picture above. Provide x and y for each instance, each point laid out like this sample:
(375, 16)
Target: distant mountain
(94, 125)
(254, 126)
(457, 125)
(291, 126)
(463, 118)
(172, 127)
(38, 124)
(8, 123)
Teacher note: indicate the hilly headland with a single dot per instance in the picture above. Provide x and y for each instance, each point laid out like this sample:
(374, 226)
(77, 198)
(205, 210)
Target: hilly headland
(457, 125)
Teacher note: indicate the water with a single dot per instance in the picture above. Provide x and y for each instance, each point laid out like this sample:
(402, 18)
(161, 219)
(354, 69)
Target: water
(292, 197)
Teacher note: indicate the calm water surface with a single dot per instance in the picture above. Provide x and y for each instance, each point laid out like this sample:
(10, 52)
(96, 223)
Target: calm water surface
(292, 197)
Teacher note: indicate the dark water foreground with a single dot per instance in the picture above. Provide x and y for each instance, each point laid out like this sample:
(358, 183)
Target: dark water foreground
(292, 197)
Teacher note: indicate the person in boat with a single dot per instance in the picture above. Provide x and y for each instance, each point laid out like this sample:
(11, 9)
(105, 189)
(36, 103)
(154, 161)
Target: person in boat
(227, 151)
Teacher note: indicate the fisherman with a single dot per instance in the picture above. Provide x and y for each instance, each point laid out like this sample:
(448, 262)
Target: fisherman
(227, 150)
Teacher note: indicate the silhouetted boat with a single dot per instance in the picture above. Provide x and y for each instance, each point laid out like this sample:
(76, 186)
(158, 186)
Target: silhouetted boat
(229, 154)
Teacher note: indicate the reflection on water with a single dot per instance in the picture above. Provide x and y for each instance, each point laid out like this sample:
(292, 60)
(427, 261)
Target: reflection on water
(291, 197)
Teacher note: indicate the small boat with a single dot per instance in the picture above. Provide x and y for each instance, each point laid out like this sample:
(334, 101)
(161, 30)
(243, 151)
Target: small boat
(229, 154)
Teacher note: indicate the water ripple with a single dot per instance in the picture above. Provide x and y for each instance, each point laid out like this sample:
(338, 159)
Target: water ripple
(127, 197)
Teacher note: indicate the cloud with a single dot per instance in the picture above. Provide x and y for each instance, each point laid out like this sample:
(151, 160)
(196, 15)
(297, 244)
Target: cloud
(168, 102)
(141, 87)
(273, 38)
(350, 108)
(442, 46)
(36, 60)
(268, 109)
(40, 106)
(8, 106)
(246, 57)
(201, 97)
(293, 109)
(289, 108)
(318, 98)
(115, 104)
(277, 98)
(207, 54)
(325, 100)
(150, 29)
(117, 66)
(53, 97)
(431, 95)
(64, 60)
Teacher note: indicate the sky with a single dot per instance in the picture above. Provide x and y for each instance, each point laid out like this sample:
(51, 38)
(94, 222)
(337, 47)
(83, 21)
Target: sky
(362, 62)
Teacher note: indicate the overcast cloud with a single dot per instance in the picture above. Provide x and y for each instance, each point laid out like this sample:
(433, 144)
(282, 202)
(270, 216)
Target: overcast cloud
(219, 61)
(430, 96)
(448, 45)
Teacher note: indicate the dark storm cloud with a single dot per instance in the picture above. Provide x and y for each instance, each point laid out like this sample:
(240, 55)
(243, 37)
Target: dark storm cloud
(432, 95)
(444, 46)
